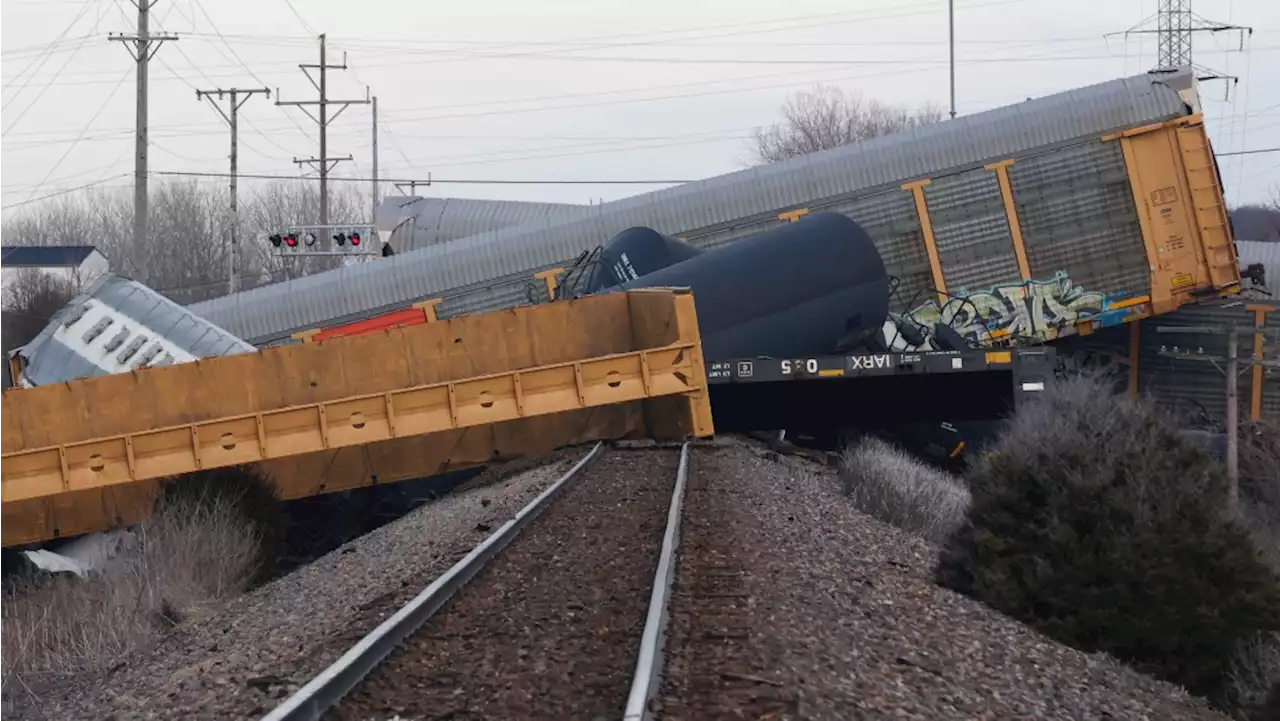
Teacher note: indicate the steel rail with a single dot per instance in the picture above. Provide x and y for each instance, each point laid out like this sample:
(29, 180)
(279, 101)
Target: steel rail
(329, 687)
(649, 662)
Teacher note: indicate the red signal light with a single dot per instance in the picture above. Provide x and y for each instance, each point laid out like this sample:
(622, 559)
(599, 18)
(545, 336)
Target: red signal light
(355, 238)
(291, 240)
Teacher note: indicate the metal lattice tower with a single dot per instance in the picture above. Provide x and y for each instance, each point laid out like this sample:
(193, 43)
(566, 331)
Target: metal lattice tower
(1174, 25)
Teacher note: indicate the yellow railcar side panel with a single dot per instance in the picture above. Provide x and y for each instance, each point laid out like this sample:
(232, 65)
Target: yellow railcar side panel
(1201, 171)
(101, 509)
(1182, 213)
(342, 413)
(314, 372)
(1160, 196)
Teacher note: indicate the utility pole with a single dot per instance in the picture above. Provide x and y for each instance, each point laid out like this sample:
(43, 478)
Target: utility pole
(1233, 420)
(230, 115)
(323, 163)
(1231, 369)
(373, 217)
(142, 46)
(951, 19)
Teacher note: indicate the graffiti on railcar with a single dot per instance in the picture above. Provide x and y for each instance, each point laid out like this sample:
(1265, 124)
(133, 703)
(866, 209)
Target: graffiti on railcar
(1035, 310)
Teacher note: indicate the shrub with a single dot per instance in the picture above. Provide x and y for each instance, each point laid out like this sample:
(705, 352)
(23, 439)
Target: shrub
(1254, 678)
(1093, 522)
(1260, 486)
(201, 548)
(888, 484)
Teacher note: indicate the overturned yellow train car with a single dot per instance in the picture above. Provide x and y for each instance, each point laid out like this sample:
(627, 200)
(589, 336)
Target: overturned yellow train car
(91, 454)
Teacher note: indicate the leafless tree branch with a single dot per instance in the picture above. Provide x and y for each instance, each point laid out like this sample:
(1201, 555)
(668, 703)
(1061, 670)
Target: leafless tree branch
(827, 117)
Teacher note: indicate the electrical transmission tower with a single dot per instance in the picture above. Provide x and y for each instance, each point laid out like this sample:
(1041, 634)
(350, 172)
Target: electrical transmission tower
(231, 114)
(1175, 26)
(143, 45)
(323, 163)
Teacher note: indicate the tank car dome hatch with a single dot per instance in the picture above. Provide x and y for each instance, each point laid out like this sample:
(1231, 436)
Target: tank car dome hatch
(796, 290)
(635, 253)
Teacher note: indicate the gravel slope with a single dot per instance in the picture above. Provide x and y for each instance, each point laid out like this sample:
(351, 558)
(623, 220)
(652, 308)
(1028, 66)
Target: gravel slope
(550, 628)
(791, 604)
(242, 661)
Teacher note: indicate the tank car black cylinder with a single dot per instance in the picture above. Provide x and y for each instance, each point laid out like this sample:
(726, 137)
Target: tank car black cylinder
(796, 290)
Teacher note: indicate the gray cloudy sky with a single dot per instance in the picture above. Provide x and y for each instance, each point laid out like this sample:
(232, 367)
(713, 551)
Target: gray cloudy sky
(566, 89)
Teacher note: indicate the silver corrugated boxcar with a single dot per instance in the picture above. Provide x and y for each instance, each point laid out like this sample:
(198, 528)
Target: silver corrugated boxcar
(1070, 185)
(117, 325)
(413, 222)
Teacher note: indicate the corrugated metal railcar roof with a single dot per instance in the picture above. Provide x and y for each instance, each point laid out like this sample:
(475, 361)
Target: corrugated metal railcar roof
(413, 222)
(117, 325)
(272, 312)
(1264, 252)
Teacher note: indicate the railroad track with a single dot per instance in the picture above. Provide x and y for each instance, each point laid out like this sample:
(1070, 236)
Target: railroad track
(559, 613)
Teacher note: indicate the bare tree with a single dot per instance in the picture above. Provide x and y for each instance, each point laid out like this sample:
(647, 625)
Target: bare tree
(186, 255)
(828, 117)
(275, 208)
(31, 298)
(1257, 222)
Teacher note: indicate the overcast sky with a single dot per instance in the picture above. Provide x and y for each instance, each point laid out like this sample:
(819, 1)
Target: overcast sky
(566, 89)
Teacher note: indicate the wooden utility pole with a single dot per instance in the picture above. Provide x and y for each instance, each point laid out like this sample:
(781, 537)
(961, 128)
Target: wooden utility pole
(1231, 369)
(323, 163)
(230, 115)
(143, 46)
(1233, 421)
(373, 217)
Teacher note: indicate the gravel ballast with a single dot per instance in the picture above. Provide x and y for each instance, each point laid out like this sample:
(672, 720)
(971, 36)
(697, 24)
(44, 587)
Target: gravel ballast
(550, 629)
(791, 604)
(241, 662)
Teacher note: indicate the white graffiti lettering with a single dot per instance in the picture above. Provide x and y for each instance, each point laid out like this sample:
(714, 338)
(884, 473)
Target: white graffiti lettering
(1034, 310)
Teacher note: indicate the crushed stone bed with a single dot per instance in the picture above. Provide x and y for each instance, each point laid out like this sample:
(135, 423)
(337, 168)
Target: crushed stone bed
(550, 629)
(241, 662)
(790, 604)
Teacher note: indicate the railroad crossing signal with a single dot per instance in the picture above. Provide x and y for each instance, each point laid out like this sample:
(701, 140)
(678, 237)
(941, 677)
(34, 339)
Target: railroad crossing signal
(346, 239)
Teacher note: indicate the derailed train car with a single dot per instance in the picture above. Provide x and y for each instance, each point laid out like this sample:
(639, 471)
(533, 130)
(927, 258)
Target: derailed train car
(813, 287)
(117, 325)
(1053, 216)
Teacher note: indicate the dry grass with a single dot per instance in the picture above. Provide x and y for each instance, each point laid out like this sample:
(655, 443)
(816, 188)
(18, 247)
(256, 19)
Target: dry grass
(892, 486)
(198, 551)
(1254, 675)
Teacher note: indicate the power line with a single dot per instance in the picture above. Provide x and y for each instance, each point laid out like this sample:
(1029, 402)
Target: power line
(677, 96)
(324, 162)
(51, 80)
(252, 74)
(64, 192)
(205, 75)
(87, 125)
(482, 159)
(142, 46)
(305, 25)
(410, 43)
(427, 181)
(231, 115)
(48, 49)
(1249, 152)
